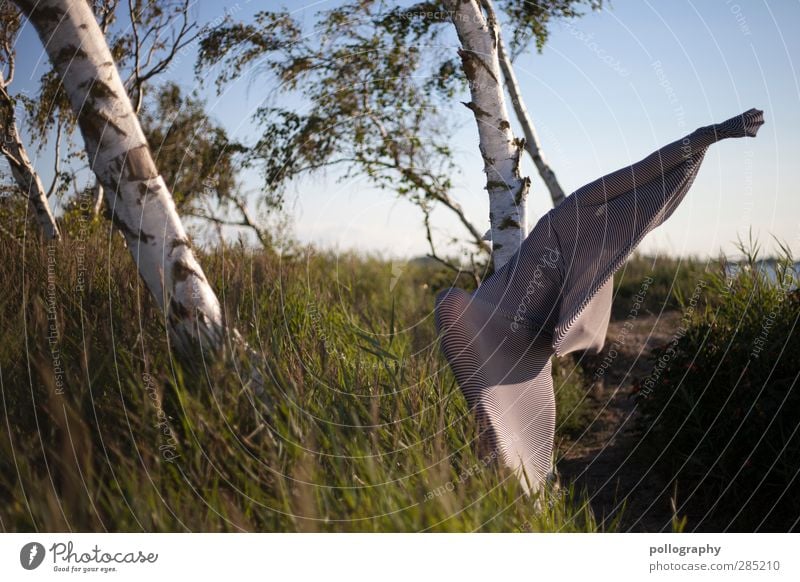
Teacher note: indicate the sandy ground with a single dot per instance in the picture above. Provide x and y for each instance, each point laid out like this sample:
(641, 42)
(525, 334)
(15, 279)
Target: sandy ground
(600, 459)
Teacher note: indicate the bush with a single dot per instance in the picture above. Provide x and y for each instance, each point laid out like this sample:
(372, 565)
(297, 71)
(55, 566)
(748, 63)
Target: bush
(721, 408)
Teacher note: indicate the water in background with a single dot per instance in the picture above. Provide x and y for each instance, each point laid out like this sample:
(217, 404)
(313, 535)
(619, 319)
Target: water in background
(769, 267)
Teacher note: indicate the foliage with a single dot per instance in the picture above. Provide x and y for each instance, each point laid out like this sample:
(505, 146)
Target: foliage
(530, 21)
(194, 154)
(368, 90)
(721, 418)
(144, 37)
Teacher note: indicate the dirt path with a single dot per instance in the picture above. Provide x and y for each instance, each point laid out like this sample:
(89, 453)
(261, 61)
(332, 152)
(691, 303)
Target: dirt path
(600, 459)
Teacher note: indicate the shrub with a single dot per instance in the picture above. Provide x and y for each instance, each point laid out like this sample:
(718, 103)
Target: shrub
(721, 409)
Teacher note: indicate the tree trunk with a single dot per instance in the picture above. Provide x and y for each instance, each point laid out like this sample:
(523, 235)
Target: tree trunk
(22, 170)
(500, 150)
(97, 198)
(141, 204)
(531, 139)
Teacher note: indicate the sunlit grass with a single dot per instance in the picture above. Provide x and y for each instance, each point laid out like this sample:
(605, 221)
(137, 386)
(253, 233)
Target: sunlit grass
(367, 430)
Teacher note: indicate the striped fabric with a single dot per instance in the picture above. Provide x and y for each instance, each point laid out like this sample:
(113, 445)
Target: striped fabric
(554, 296)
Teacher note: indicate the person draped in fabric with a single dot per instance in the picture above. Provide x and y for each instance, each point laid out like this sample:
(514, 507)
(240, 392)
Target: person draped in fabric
(554, 296)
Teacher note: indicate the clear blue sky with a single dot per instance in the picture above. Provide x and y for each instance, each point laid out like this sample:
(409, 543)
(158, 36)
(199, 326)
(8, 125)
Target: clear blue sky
(608, 89)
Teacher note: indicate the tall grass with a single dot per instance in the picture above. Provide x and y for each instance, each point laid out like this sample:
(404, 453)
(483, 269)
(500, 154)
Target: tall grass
(105, 430)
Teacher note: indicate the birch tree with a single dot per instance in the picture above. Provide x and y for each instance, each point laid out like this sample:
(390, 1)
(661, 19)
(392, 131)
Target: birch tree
(378, 83)
(11, 146)
(532, 145)
(508, 190)
(141, 204)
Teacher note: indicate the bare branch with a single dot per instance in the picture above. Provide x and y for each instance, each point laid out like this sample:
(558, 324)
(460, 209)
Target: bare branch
(10, 61)
(57, 159)
(246, 221)
(179, 41)
(137, 48)
(434, 255)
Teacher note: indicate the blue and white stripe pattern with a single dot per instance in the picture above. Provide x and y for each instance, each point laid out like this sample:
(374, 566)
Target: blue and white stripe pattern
(554, 296)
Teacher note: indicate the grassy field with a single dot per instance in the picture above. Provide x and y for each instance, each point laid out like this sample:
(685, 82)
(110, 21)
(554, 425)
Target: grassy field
(104, 430)
(367, 430)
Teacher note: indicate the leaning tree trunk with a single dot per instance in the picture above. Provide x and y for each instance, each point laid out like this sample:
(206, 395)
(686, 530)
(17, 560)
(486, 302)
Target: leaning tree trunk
(22, 170)
(531, 139)
(141, 204)
(508, 191)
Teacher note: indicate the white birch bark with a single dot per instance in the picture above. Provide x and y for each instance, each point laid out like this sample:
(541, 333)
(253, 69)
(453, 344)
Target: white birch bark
(97, 198)
(22, 169)
(532, 145)
(141, 204)
(500, 150)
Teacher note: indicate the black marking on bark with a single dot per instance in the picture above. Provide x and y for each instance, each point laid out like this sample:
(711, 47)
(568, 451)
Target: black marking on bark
(93, 122)
(504, 125)
(138, 164)
(508, 222)
(144, 237)
(181, 271)
(178, 242)
(497, 185)
(522, 193)
(470, 62)
(144, 189)
(67, 54)
(130, 234)
(101, 90)
(41, 15)
(122, 226)
(177, 311)
(475, 109)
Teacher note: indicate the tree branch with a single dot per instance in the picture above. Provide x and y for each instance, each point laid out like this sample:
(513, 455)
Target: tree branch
(434, 255)
(57, 159)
